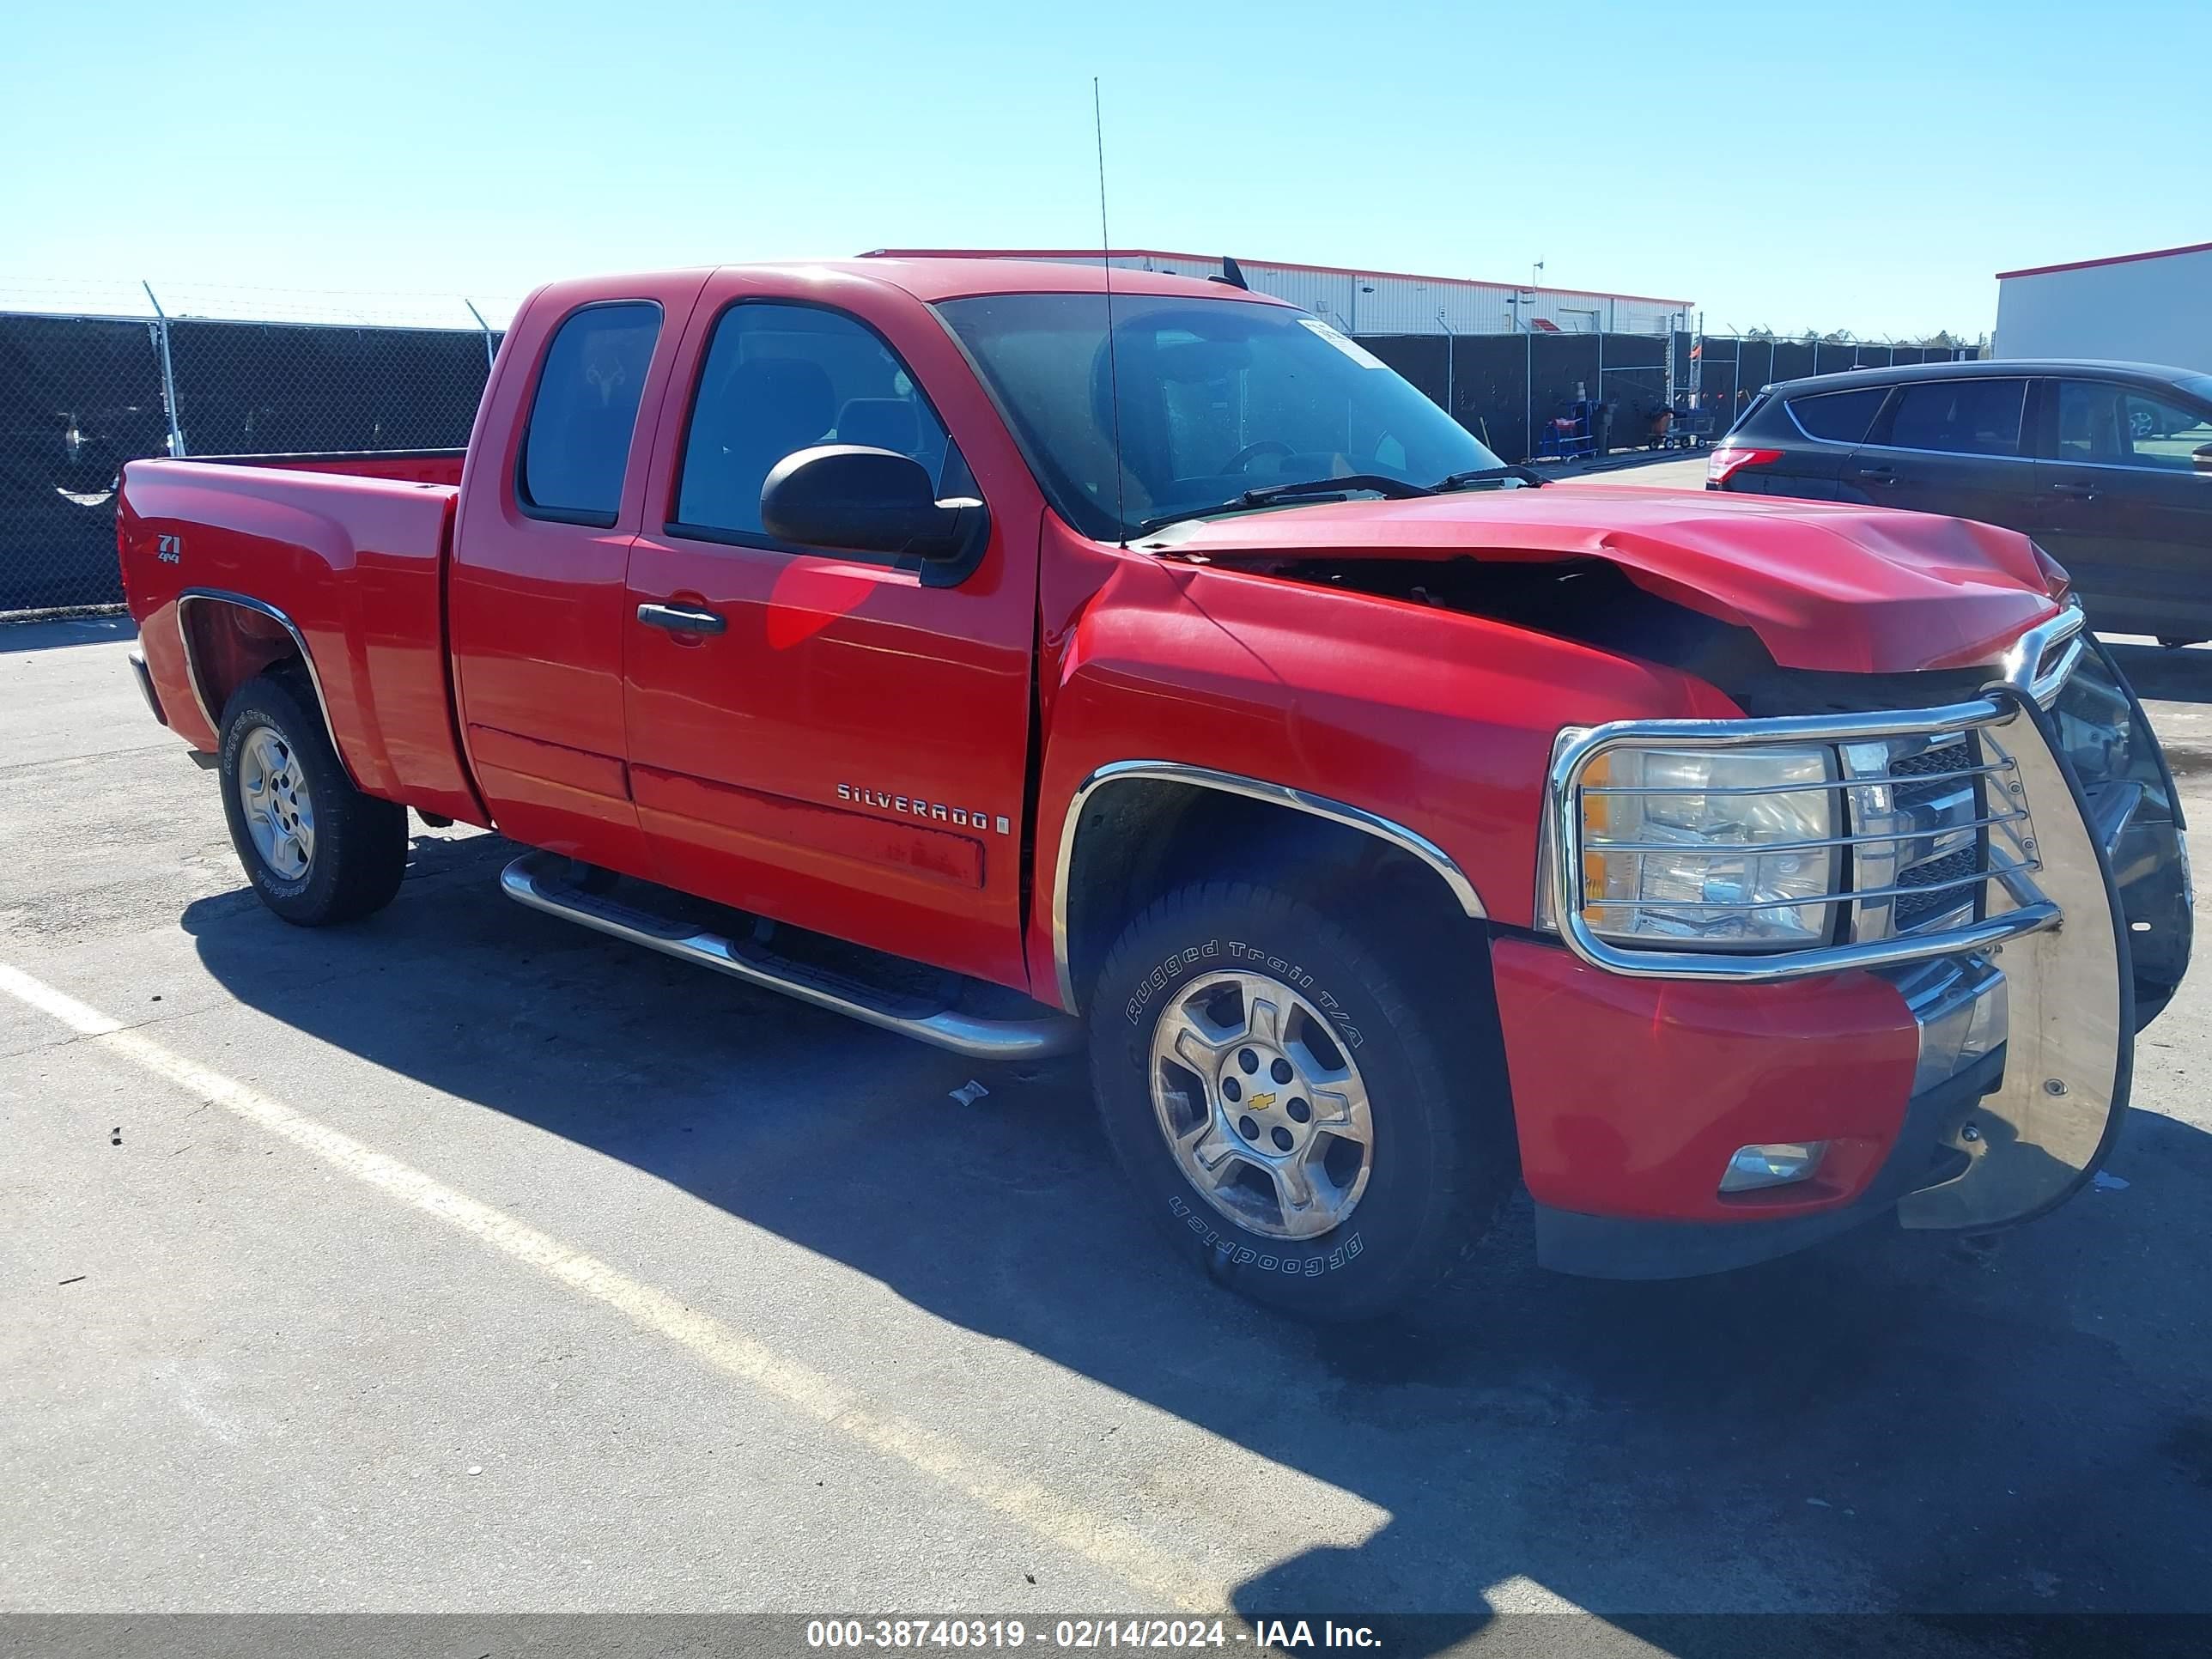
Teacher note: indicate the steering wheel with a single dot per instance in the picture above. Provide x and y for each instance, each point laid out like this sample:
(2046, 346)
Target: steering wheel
(1242, 459)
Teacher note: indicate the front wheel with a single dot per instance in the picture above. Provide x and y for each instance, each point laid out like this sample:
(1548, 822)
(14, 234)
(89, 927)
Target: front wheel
(316, 850)
(1309, 1132)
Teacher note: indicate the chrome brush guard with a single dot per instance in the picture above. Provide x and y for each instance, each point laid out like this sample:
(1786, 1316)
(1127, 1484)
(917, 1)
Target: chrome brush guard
(1968, 838)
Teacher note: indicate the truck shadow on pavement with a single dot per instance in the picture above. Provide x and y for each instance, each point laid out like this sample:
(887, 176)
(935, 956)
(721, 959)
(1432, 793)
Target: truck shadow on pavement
(1888, 1424)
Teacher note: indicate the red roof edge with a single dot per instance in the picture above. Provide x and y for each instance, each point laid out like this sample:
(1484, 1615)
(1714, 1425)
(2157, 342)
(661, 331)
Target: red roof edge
(1215, 260)
(2114, 260)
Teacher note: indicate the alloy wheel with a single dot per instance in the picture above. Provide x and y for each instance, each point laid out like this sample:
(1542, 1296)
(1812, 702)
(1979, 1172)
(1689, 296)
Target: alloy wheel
(280, 812)
(1263, 1107)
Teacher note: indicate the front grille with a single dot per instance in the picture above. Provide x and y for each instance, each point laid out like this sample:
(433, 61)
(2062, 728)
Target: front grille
(1947, 757)
(1950, 758)
(1920, 818)
(1945, 887)
(1933, 808)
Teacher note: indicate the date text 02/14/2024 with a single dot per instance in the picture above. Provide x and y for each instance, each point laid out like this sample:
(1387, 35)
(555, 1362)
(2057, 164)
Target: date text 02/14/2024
(1085, 1635)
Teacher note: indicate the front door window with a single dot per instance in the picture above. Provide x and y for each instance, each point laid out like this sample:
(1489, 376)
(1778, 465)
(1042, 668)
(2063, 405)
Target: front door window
(2101, 423)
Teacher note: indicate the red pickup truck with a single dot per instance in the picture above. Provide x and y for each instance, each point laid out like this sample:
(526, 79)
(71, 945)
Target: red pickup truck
(1018, 664)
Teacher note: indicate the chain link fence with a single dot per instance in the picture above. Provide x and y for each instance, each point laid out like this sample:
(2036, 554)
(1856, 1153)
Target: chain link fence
(1562, 396)
(1727, 373)
(78, 398)
(81, 395)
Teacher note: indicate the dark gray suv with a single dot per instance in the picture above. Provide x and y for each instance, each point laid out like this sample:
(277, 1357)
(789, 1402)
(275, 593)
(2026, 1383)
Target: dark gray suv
(2107, 466)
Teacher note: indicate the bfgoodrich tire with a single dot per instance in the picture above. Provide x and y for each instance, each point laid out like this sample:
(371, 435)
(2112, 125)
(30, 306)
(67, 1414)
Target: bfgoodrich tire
(1305, 1128)
(316, 850)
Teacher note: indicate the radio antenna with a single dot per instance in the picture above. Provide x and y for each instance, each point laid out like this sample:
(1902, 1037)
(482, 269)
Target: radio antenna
(1106, 279)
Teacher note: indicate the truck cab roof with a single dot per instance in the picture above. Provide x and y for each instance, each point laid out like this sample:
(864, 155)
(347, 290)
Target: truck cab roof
(932, 280)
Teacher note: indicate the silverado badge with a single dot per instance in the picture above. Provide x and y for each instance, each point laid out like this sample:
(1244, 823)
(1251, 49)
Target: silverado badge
(915, 806)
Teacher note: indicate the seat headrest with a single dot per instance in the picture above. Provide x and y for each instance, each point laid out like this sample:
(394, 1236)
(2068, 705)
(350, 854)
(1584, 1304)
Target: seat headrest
(881, 423)
(768, 402)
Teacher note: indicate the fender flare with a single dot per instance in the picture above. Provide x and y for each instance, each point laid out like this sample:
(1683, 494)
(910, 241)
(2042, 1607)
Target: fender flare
(261, 607)
(1410, 842)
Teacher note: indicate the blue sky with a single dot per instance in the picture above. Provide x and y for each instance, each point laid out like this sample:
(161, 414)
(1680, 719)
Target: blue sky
(1866, 165)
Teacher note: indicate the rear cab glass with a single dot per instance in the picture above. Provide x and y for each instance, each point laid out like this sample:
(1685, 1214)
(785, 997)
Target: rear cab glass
(1838, 417)
(576, 446)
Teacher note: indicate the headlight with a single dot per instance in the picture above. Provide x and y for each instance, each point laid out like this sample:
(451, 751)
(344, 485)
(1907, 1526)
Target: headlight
(1711, 848)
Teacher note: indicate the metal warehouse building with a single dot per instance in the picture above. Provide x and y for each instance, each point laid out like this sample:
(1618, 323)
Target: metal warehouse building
(1382, 301)
(2137, 307)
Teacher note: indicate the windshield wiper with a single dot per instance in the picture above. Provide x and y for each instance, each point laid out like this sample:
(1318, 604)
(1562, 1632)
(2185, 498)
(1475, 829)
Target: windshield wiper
(1396, 490)
(1482, 475)
(1373, 484)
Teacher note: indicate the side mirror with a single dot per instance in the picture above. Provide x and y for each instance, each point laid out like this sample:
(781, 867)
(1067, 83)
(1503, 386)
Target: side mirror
(851, 497)
(2201, 458)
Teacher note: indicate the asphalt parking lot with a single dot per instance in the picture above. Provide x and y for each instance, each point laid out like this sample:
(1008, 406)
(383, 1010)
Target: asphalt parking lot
(463, 1259)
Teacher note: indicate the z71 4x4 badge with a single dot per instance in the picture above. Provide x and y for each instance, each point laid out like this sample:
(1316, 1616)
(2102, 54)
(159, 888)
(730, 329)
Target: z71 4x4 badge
(935, 811)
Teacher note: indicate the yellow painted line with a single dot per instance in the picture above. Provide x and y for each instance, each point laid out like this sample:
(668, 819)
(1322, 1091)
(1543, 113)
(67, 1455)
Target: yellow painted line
(1107, 1544)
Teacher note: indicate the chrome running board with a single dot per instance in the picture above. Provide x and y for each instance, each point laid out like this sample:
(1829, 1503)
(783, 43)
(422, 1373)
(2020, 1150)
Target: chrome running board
(539, 880)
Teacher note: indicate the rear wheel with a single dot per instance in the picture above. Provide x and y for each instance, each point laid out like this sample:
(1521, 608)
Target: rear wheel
(316, 850)
(1306, 1130)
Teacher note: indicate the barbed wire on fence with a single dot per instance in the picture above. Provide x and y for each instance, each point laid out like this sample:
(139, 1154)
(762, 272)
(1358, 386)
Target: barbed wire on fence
(136, 298)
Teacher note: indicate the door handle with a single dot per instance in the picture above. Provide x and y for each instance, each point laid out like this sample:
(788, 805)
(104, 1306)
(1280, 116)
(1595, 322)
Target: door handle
(1880, 474)
(682, 618)
(2080, 491)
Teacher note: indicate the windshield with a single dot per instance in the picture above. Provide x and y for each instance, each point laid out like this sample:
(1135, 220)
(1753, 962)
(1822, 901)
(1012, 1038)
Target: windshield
(1217, 397)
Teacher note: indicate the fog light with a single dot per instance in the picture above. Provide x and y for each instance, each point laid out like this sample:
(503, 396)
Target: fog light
(1773, 1164)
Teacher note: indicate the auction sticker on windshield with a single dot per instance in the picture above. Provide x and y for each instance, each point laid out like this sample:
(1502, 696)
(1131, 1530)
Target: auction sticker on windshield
(1351, 348)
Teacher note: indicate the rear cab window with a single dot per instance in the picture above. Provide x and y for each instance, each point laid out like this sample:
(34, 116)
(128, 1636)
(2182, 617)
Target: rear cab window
(1838, 417)
(1959, 418)
(576, 446)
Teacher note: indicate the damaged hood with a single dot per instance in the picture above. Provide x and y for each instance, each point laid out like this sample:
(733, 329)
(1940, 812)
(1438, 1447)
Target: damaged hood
(1825, 586)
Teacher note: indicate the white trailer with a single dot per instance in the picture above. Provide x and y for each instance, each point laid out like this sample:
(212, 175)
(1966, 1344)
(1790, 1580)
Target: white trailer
(1385, 302)
(2137, 307)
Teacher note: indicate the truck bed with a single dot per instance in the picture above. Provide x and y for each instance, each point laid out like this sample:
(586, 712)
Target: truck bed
(232, 562)
(434, 466)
